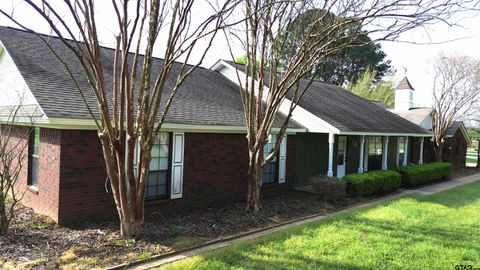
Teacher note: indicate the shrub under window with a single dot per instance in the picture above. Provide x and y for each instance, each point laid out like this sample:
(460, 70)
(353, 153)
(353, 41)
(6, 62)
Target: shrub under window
(415, 175)
(371, 183)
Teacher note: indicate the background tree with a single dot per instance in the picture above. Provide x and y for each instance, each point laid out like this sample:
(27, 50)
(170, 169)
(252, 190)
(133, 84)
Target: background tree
(367, 87)
(343, 66)
(242, 60)
(130, 110)
(456, 94)
(264, 35)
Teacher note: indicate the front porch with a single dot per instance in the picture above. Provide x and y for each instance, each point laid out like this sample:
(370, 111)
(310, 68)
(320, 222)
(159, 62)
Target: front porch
(338, 155)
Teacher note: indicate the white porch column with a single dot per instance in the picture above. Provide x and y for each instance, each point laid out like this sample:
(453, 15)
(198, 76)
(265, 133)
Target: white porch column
(385, 153)
(362, 150)
(420, 159)
(405, 152)
(331, 141)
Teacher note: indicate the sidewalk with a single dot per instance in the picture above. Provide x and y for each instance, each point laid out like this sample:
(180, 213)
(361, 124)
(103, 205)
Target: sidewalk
(164, 259)
(444, 185)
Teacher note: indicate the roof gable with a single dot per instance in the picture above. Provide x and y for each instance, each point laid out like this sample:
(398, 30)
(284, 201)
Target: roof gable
(454, 127)
(404, 84)
(14, 91)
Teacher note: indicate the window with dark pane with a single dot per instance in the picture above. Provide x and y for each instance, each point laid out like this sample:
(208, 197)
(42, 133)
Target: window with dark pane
(270, 170)
(34, 157)
(375, 149)
(159, 164)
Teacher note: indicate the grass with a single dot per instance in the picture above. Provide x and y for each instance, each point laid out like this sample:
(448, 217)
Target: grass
(438, 231)
(37, 225)
(471, 160)
(144, 255)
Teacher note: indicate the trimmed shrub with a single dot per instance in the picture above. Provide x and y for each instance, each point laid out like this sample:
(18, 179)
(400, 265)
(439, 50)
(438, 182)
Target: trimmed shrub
(329, 188)
(371, 183)
(416, 175)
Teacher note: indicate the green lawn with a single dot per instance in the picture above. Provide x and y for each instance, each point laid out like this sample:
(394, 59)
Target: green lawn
(415, 232)
(471, 160)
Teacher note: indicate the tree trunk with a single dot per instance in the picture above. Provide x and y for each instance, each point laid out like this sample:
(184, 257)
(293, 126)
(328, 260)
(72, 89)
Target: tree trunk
(438, 147)
(3, 216)
(254, 185)
(131, 226)
(130, 210)
(254, 182)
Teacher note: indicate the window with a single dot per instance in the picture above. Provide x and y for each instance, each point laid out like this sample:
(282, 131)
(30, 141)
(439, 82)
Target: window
(401, 151)
(270, 170)
(159, 168)
(34, 156)
(375, 150)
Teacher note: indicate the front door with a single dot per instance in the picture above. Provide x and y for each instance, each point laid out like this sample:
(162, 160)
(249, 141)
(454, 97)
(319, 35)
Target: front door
(341, 156)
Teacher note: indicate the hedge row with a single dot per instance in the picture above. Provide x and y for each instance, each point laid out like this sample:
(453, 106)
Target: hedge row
(416, 175)
(371, 183)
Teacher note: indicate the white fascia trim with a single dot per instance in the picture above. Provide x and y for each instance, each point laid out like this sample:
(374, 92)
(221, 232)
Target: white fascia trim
(85, 124)
(384, 134)
(307, 119)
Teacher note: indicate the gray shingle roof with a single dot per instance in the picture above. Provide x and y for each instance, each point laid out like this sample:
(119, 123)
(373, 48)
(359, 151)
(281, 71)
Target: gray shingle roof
(452, 129)
(405, 84)
(349, 112)
(205, 98)
(415, 115)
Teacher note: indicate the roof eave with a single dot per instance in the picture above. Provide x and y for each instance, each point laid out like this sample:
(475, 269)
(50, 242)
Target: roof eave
(87, 124)
(383, 133)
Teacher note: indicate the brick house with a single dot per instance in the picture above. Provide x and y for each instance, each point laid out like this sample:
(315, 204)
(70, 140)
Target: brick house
(200, 158)
(456, 144)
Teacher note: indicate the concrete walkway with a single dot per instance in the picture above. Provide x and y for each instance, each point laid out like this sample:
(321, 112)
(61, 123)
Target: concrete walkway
(427, 190)
(162, 260)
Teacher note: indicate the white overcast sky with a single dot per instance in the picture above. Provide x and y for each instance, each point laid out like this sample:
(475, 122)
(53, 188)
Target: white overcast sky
(414, 57)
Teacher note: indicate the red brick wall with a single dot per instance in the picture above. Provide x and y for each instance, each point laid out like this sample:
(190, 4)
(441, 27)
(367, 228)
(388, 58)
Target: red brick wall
(455, 150)
(216, 166)
(82, 184)
(46, 200)
(215, 171)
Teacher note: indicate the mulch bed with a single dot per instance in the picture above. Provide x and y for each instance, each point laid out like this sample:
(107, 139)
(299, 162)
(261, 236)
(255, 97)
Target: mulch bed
(464, 172)
(35, 242)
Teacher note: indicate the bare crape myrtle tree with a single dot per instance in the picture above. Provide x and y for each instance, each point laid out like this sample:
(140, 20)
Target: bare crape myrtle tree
(456, 95)
(281, 50)
(13, 159)
(130, 110)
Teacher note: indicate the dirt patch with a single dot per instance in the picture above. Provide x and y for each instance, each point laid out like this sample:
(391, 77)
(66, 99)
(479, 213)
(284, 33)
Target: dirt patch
(35, 242)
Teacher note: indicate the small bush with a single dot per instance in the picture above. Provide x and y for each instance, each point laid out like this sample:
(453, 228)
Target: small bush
(174, 232)
(416, 175)
(371, 183)
(329, 188)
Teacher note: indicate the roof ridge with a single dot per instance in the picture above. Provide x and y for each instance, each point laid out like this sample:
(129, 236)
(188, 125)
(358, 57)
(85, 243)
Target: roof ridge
(101, 46)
